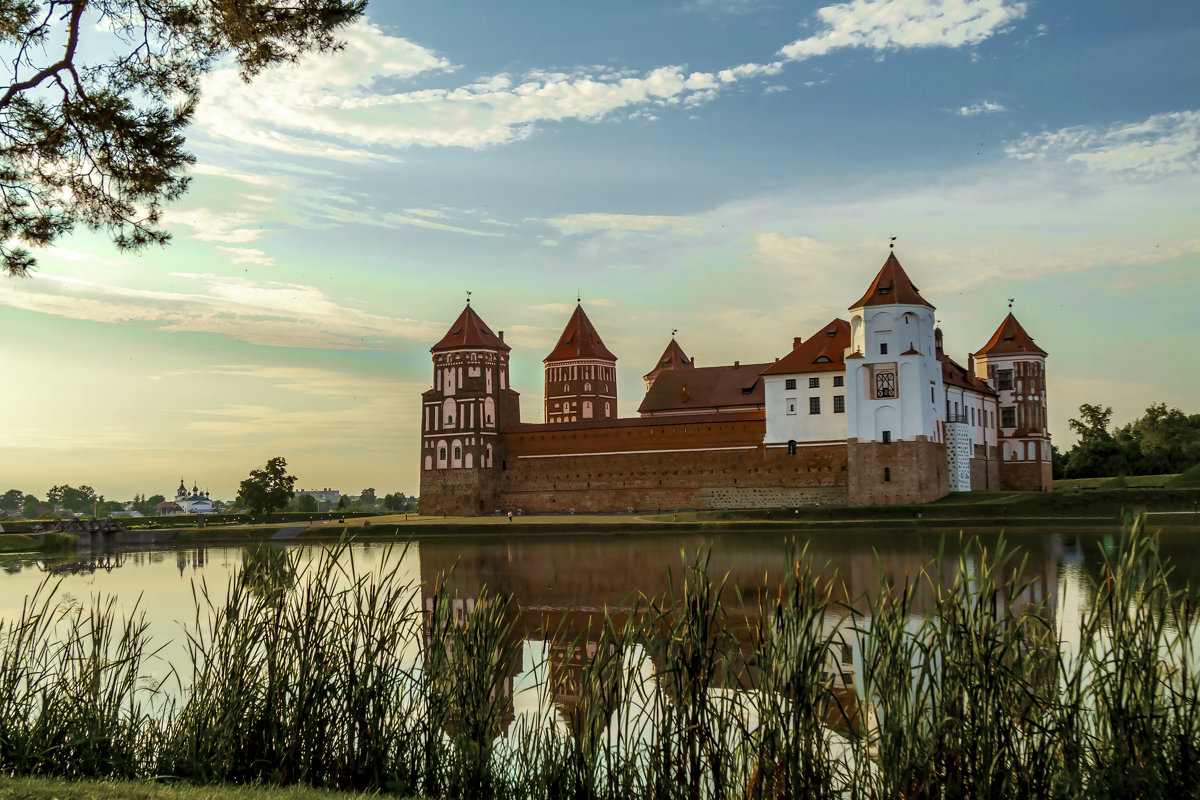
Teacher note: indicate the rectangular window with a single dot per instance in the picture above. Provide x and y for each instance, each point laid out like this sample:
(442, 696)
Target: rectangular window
(839, 380)
(883, 348)
(791, 405)
(814, 383)
(789, 383)
(839, 404)
(814, 405)
(1008, 417)
(1004, 380)
(887, 437)
(885, 384)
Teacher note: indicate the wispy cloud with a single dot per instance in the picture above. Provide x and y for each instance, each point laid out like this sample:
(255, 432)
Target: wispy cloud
(229, 227)
(586, 223)
(267, 313)
(246, 255)
(1161, 144)
(899, 24)
(986, 107)
(422, 222)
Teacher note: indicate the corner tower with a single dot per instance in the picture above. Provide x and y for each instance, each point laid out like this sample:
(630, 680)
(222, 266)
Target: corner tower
(1016, 369)
(462, 416)
(895, 402)
(581, 375)
(672, 358)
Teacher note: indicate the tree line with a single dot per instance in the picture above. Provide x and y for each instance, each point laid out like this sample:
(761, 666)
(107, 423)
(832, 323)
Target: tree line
(1163, 440)
(266, 489)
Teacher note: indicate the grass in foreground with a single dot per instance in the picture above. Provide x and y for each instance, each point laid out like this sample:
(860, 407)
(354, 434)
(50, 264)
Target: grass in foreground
(59, 789)
(949, 682)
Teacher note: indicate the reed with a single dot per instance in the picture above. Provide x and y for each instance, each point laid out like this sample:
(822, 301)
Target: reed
(953, 681)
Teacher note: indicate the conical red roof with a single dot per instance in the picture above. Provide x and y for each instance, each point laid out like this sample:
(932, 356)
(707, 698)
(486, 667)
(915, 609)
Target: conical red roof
(469, 331)
(892, 286)
(580, 340)
(1010, 337)
(672, 358)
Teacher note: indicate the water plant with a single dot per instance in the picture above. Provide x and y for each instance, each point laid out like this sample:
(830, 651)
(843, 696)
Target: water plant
(955, 680)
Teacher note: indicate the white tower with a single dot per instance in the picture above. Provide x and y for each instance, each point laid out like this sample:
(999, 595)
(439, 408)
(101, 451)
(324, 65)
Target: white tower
(894, 395)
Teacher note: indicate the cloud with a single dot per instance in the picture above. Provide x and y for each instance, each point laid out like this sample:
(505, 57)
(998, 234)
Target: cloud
(252, 179)
(421, 222)
(215, 226)
(1161, 144)
(246, 255)
(268, 313)
(425, 212)
(897, 24)
(986, 107)
(585, 223)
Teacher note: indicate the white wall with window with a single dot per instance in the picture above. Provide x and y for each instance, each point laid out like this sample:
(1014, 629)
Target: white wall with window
(804, 408)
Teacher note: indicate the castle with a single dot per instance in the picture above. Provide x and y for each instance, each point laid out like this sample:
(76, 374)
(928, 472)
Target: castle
(865, 411)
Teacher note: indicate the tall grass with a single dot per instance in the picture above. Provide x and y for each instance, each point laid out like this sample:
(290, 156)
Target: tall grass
(957, 680)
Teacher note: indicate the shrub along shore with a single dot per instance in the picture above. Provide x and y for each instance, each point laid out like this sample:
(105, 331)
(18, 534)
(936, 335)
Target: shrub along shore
(308, 672)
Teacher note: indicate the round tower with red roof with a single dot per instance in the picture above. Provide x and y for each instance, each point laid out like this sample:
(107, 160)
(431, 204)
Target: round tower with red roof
(581, 375)
(896, 451)
(462, 417)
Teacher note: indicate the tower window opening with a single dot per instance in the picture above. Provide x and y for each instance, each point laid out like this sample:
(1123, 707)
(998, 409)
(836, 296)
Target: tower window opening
(887, 474)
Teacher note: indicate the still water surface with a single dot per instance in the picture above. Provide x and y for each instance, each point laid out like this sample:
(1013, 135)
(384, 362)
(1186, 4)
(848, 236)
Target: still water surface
(572, 577)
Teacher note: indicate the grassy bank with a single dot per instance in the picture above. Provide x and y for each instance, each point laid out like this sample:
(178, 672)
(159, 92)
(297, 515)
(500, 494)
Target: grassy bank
(947, 682)
(59, 789)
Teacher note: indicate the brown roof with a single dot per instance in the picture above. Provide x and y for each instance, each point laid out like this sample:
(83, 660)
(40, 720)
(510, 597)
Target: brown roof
(1010, 337)
(580, 340)
(672, 358)
(955, 374)
(892, 286)
(823, 352)
(705, 387)
(469, 331)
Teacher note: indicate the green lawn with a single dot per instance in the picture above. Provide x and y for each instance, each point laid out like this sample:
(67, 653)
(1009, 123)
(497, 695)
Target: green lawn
(55, 789)
(1132, 482)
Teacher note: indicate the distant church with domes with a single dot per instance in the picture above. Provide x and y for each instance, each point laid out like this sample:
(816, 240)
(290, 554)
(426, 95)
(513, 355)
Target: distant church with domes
(869, 410)
(185, 502)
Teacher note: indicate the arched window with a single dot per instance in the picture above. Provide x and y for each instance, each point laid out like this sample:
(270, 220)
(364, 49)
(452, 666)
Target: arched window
(489, 411)
(448, 406)
(442, 454)
(456, 460)
(428, 462)
(791, 447)
(587, 409)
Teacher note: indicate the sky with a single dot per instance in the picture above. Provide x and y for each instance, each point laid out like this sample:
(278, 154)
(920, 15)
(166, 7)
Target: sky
(731, 169)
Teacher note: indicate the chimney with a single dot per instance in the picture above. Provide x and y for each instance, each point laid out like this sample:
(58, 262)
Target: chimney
(796, 342)
(737, 364)
(971, 365)
(501, 335)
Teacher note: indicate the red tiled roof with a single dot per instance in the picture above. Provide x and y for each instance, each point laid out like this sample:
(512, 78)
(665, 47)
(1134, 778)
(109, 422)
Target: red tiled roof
(672, 358)
(892, 286)
(580, 340)
(705, 387)
(955, 374)
(1010, 337)
(823, 352)
(469, 331)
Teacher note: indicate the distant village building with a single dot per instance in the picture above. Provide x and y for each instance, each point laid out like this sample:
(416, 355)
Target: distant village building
(325, 495)
(869, 410)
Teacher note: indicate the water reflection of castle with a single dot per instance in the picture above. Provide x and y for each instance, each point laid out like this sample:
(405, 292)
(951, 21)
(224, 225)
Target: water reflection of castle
(568, 586)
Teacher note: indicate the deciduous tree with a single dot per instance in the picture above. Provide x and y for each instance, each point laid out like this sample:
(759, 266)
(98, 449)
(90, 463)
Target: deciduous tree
(268, 488)
(100, 93)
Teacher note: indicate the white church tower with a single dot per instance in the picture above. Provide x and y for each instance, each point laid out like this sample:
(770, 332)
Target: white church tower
(895, 401)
